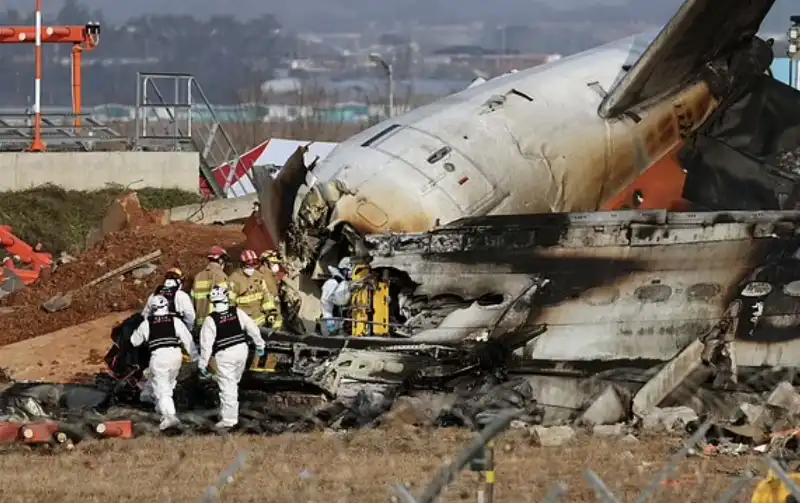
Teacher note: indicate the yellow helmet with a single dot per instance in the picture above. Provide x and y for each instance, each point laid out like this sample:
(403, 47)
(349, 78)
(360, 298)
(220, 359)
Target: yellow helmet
(360, 272)
(174, 273)
(270, 256)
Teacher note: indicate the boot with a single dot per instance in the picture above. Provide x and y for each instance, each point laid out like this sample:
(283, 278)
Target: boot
(168, 422)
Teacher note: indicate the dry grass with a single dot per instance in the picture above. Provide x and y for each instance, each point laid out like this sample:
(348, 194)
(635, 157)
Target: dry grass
(357, 468)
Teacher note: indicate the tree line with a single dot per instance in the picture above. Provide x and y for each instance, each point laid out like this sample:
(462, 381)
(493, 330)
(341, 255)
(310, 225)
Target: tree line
(225, 54)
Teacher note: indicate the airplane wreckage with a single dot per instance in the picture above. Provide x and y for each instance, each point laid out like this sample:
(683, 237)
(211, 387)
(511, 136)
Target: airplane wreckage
(488, 274)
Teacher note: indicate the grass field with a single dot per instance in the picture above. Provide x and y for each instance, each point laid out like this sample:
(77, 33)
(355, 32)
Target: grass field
(359, 467)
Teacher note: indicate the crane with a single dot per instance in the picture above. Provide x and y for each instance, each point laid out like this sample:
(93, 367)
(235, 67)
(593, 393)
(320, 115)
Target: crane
(82, 38)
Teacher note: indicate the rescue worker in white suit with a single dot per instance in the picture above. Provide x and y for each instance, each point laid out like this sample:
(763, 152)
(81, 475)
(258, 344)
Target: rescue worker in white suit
(180, 304)
(335, 297)
(224, 336)
(164, 334)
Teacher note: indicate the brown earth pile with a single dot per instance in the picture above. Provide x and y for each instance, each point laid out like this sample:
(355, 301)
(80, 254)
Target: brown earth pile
(183, 245)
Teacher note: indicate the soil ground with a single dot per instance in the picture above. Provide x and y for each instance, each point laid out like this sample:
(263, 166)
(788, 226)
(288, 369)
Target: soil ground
(72, 354)
(359, 467)
(183, 245)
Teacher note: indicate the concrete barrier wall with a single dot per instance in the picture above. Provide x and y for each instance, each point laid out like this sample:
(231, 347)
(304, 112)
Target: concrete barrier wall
(97, 170)
(215, 211)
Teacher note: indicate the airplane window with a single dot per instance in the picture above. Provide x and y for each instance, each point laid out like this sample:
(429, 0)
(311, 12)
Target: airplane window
(438, 155)
(380, 135)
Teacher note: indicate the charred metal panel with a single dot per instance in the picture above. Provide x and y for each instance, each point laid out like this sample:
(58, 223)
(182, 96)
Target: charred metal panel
(746, 155)
(620, 286)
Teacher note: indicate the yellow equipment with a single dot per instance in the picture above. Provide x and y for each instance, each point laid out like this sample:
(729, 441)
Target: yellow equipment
(266, 363)
(772, 490)
(369, 303)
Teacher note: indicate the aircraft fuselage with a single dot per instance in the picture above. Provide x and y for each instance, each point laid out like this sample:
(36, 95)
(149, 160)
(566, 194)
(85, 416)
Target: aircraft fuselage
(526, 142)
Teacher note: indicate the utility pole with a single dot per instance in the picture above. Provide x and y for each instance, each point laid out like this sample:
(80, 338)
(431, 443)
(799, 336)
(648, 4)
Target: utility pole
(387, 67)
(793, 51)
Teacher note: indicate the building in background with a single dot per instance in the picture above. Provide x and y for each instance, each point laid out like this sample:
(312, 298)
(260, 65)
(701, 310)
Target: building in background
(785, 70)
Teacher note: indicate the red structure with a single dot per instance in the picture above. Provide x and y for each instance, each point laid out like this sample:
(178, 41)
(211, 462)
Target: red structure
(658, 188)
(115, 429)
(34, 262)
(82, 38)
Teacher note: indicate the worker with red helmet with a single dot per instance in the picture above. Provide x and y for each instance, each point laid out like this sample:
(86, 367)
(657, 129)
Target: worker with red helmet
(249, 292)
(213, 275)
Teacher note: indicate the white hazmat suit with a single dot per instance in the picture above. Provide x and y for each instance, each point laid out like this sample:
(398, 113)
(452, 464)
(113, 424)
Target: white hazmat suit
(334, 298)
(183, 305)
(164, 334)
(223, 337)
(180, 304)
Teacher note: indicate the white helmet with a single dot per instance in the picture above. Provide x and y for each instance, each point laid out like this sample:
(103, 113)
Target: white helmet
(159, 305)
(342, 270)
(345, 264)
(219, 298)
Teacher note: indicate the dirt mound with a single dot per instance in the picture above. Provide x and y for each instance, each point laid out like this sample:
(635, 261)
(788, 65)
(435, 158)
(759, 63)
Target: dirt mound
(183, 245)
(62, 219)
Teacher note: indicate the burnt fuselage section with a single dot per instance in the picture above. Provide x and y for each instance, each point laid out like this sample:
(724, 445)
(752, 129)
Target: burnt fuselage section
(590, 287)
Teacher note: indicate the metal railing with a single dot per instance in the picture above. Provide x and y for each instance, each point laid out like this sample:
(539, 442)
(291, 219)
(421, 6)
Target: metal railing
(180, 130)
(59, 132)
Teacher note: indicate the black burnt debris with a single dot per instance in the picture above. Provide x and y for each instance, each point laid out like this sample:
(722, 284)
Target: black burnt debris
(745, 156)
(299, 394)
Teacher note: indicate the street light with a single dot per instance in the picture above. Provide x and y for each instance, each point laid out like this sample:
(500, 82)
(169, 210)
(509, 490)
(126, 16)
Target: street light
(794, 37)
(387, 67)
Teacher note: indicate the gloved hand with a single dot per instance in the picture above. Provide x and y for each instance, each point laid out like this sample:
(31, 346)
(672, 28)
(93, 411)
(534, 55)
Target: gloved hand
(204, 373)
(260, 352)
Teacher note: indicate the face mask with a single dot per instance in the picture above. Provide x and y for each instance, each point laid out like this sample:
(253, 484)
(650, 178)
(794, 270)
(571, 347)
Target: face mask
(275, 267)
(221, 307)
(249, 271)
(171, 283)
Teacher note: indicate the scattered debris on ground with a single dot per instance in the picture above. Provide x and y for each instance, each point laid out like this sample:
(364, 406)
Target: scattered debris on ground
(61, 302)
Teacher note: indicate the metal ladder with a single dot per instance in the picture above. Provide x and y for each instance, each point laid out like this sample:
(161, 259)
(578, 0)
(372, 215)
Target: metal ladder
(172, 121)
